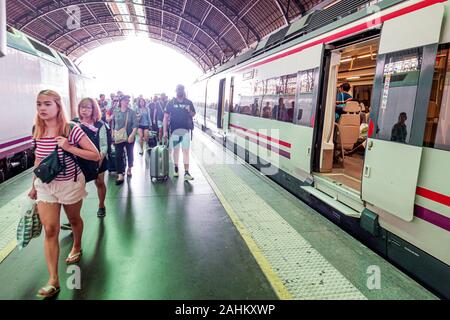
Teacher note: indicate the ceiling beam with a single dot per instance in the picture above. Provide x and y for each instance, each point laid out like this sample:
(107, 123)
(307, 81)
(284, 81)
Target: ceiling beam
(185, 17)
(284, 14)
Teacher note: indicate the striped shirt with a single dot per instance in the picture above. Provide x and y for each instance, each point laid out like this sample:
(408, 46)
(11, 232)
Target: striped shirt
(45, 146)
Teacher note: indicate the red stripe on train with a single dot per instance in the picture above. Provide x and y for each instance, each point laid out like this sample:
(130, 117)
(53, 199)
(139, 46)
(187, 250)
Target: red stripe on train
(434, 196)
(268, 138)
(352, 30)
(265, 145)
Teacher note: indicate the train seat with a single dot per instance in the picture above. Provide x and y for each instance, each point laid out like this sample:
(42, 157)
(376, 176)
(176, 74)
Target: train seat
(352, 107)
(349, 125)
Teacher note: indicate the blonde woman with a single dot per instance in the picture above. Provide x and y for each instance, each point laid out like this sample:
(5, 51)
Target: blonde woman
(67, 190)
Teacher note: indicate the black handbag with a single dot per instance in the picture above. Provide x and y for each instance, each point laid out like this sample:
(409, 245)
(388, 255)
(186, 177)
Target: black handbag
(50, 167)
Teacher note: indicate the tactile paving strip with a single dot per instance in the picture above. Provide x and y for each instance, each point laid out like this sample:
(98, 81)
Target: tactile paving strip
(9, 218)
(305, 273)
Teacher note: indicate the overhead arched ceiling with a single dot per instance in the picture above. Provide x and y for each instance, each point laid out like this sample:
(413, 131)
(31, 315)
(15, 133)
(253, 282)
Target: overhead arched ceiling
(210, 31)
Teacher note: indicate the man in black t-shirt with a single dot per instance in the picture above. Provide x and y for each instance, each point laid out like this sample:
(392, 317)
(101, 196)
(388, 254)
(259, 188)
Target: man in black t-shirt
(178, 117)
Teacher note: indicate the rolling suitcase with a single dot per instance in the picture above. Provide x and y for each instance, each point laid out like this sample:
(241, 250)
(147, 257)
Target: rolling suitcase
(159, 163)
(112, 161)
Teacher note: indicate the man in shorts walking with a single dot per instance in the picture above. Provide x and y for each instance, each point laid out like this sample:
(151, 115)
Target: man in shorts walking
(178, 116)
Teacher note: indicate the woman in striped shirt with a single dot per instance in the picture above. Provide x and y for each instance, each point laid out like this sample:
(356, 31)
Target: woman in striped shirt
(67, 189)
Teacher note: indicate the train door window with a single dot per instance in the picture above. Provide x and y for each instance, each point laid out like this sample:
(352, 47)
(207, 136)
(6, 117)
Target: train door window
(437, 129)
(398, 96)
(307, 97)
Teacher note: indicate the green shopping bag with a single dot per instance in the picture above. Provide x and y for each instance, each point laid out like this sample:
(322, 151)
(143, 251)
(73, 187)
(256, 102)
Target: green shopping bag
(29, 227)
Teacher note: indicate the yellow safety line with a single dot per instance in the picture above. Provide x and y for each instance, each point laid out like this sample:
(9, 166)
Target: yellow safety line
(275, 281)
(7, 250)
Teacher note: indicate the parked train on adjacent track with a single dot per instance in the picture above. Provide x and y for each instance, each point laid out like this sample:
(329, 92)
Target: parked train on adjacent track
(392, 189)
(28, 68)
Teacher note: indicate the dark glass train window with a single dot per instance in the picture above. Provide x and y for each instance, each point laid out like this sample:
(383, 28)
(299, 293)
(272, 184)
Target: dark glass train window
(307, 97)
(398, 95)
(437, 128)
(41, 47)
(272, 98)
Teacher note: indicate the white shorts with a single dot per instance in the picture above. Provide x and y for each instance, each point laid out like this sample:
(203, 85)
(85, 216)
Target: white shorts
(63, 192)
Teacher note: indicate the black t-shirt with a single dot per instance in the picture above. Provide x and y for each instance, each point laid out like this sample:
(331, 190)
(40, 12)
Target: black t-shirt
(180, 117)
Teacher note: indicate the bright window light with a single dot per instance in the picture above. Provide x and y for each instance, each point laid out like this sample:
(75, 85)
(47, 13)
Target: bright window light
(139, 66)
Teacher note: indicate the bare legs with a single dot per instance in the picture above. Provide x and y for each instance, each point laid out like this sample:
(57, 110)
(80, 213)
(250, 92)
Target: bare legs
(101, 189)
(74, 216)
(176, 158)
(143, 137)
(50, 216)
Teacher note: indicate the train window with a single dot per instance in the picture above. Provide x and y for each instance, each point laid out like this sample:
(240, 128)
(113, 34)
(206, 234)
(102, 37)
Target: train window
(307, 97)
(437, 129)
(278, 103)
(270, 98)
(398, 95)
(41, 47)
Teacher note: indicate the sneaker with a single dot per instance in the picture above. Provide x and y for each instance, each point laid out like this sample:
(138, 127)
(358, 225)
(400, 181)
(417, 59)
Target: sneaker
(66, 226)
(101, 213)
(176, 174)
(188, 177)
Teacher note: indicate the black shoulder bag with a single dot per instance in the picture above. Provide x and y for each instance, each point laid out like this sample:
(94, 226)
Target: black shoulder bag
(50, 167)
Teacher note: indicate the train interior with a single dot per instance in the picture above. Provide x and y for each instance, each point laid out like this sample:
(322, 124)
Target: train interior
(346, 129)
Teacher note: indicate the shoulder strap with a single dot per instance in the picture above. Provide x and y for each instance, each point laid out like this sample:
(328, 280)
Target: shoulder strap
(126, 121)
(99, 124)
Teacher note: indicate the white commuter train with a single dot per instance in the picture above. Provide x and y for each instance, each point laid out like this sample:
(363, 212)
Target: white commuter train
(390, 186)
(29, 67)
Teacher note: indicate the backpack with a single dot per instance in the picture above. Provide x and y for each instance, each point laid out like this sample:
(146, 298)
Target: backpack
(89, 168)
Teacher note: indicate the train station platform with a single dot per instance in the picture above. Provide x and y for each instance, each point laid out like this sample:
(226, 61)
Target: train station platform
(232, 233)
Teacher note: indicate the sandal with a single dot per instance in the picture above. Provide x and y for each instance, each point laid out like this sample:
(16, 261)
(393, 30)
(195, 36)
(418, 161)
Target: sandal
(72, 259)
(49, 291)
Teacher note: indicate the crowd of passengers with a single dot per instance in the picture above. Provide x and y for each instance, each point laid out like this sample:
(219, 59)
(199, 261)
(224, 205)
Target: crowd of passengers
(103, 131)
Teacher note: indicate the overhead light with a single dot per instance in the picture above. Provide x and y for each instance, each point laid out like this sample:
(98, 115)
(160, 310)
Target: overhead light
(353, 78)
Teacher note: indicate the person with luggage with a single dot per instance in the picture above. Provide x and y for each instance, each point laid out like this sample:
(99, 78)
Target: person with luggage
(54, 139)
(89, 120)
(145, 122)
(179, 116)
(124, 127)
(97, 131)
(158, 117)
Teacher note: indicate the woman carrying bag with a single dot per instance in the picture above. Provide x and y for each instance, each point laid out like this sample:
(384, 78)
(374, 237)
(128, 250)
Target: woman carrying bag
(58, 180)
(89, 115)
(124, 125)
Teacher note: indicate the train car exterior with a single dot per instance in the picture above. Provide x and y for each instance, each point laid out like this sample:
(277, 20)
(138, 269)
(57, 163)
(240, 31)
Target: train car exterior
(44, 69)
(278, 108)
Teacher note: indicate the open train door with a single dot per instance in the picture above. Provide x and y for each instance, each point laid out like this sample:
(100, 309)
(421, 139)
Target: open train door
(402, 87)
(220, 103)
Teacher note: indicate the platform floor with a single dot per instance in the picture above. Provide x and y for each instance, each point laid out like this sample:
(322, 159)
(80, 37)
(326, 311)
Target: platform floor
(229, 234)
